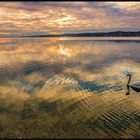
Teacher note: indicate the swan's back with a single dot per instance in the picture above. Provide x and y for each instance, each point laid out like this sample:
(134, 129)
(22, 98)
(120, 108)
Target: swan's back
(135, 84)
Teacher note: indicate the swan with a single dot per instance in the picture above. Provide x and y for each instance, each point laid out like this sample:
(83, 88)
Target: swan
(134, 85)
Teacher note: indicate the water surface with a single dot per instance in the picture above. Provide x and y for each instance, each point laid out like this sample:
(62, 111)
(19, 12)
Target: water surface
(62, 87)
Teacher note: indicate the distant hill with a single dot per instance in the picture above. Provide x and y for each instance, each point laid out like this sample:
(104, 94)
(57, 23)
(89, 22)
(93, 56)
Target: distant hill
(99, 34)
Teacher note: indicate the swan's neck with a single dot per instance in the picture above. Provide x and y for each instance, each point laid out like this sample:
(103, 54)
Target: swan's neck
(129, 80)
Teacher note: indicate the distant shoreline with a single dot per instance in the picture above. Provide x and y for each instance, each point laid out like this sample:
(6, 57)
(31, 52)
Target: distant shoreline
(87, 34)
(99, 34)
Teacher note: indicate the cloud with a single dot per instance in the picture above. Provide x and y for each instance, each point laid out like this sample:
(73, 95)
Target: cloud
(69, 16)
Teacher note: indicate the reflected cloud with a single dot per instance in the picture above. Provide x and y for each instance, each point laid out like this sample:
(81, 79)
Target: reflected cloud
(71, 87)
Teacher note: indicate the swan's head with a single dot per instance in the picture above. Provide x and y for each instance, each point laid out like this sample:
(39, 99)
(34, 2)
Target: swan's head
(128, 74)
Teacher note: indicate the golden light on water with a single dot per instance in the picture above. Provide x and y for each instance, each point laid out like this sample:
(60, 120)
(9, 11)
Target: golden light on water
(64, 51)
(68, 86)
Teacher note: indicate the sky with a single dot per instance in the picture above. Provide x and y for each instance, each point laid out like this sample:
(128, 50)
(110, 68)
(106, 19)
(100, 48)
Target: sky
(27, 18)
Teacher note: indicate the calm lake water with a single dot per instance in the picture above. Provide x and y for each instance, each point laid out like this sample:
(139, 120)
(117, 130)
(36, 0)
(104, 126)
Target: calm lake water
(68, 88)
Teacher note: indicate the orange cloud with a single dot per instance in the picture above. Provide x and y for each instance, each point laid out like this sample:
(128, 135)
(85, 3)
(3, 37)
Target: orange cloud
(30, 17)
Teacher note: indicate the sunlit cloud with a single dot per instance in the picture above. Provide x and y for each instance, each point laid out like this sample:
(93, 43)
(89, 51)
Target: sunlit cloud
(64, 17)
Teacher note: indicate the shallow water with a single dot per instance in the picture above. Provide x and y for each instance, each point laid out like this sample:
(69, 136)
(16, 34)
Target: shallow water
(60, 87)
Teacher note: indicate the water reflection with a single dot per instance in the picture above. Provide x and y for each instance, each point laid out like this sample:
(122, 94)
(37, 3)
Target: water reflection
(53, 87)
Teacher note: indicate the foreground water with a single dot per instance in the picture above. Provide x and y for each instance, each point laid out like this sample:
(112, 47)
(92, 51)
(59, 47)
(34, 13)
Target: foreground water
(55, 87)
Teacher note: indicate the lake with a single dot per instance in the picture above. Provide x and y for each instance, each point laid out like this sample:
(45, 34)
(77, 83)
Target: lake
(69, 88)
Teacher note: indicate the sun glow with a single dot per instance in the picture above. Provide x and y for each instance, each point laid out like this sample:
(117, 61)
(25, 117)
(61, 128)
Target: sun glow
(68, 52)
(64, 51)
(65, 20)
